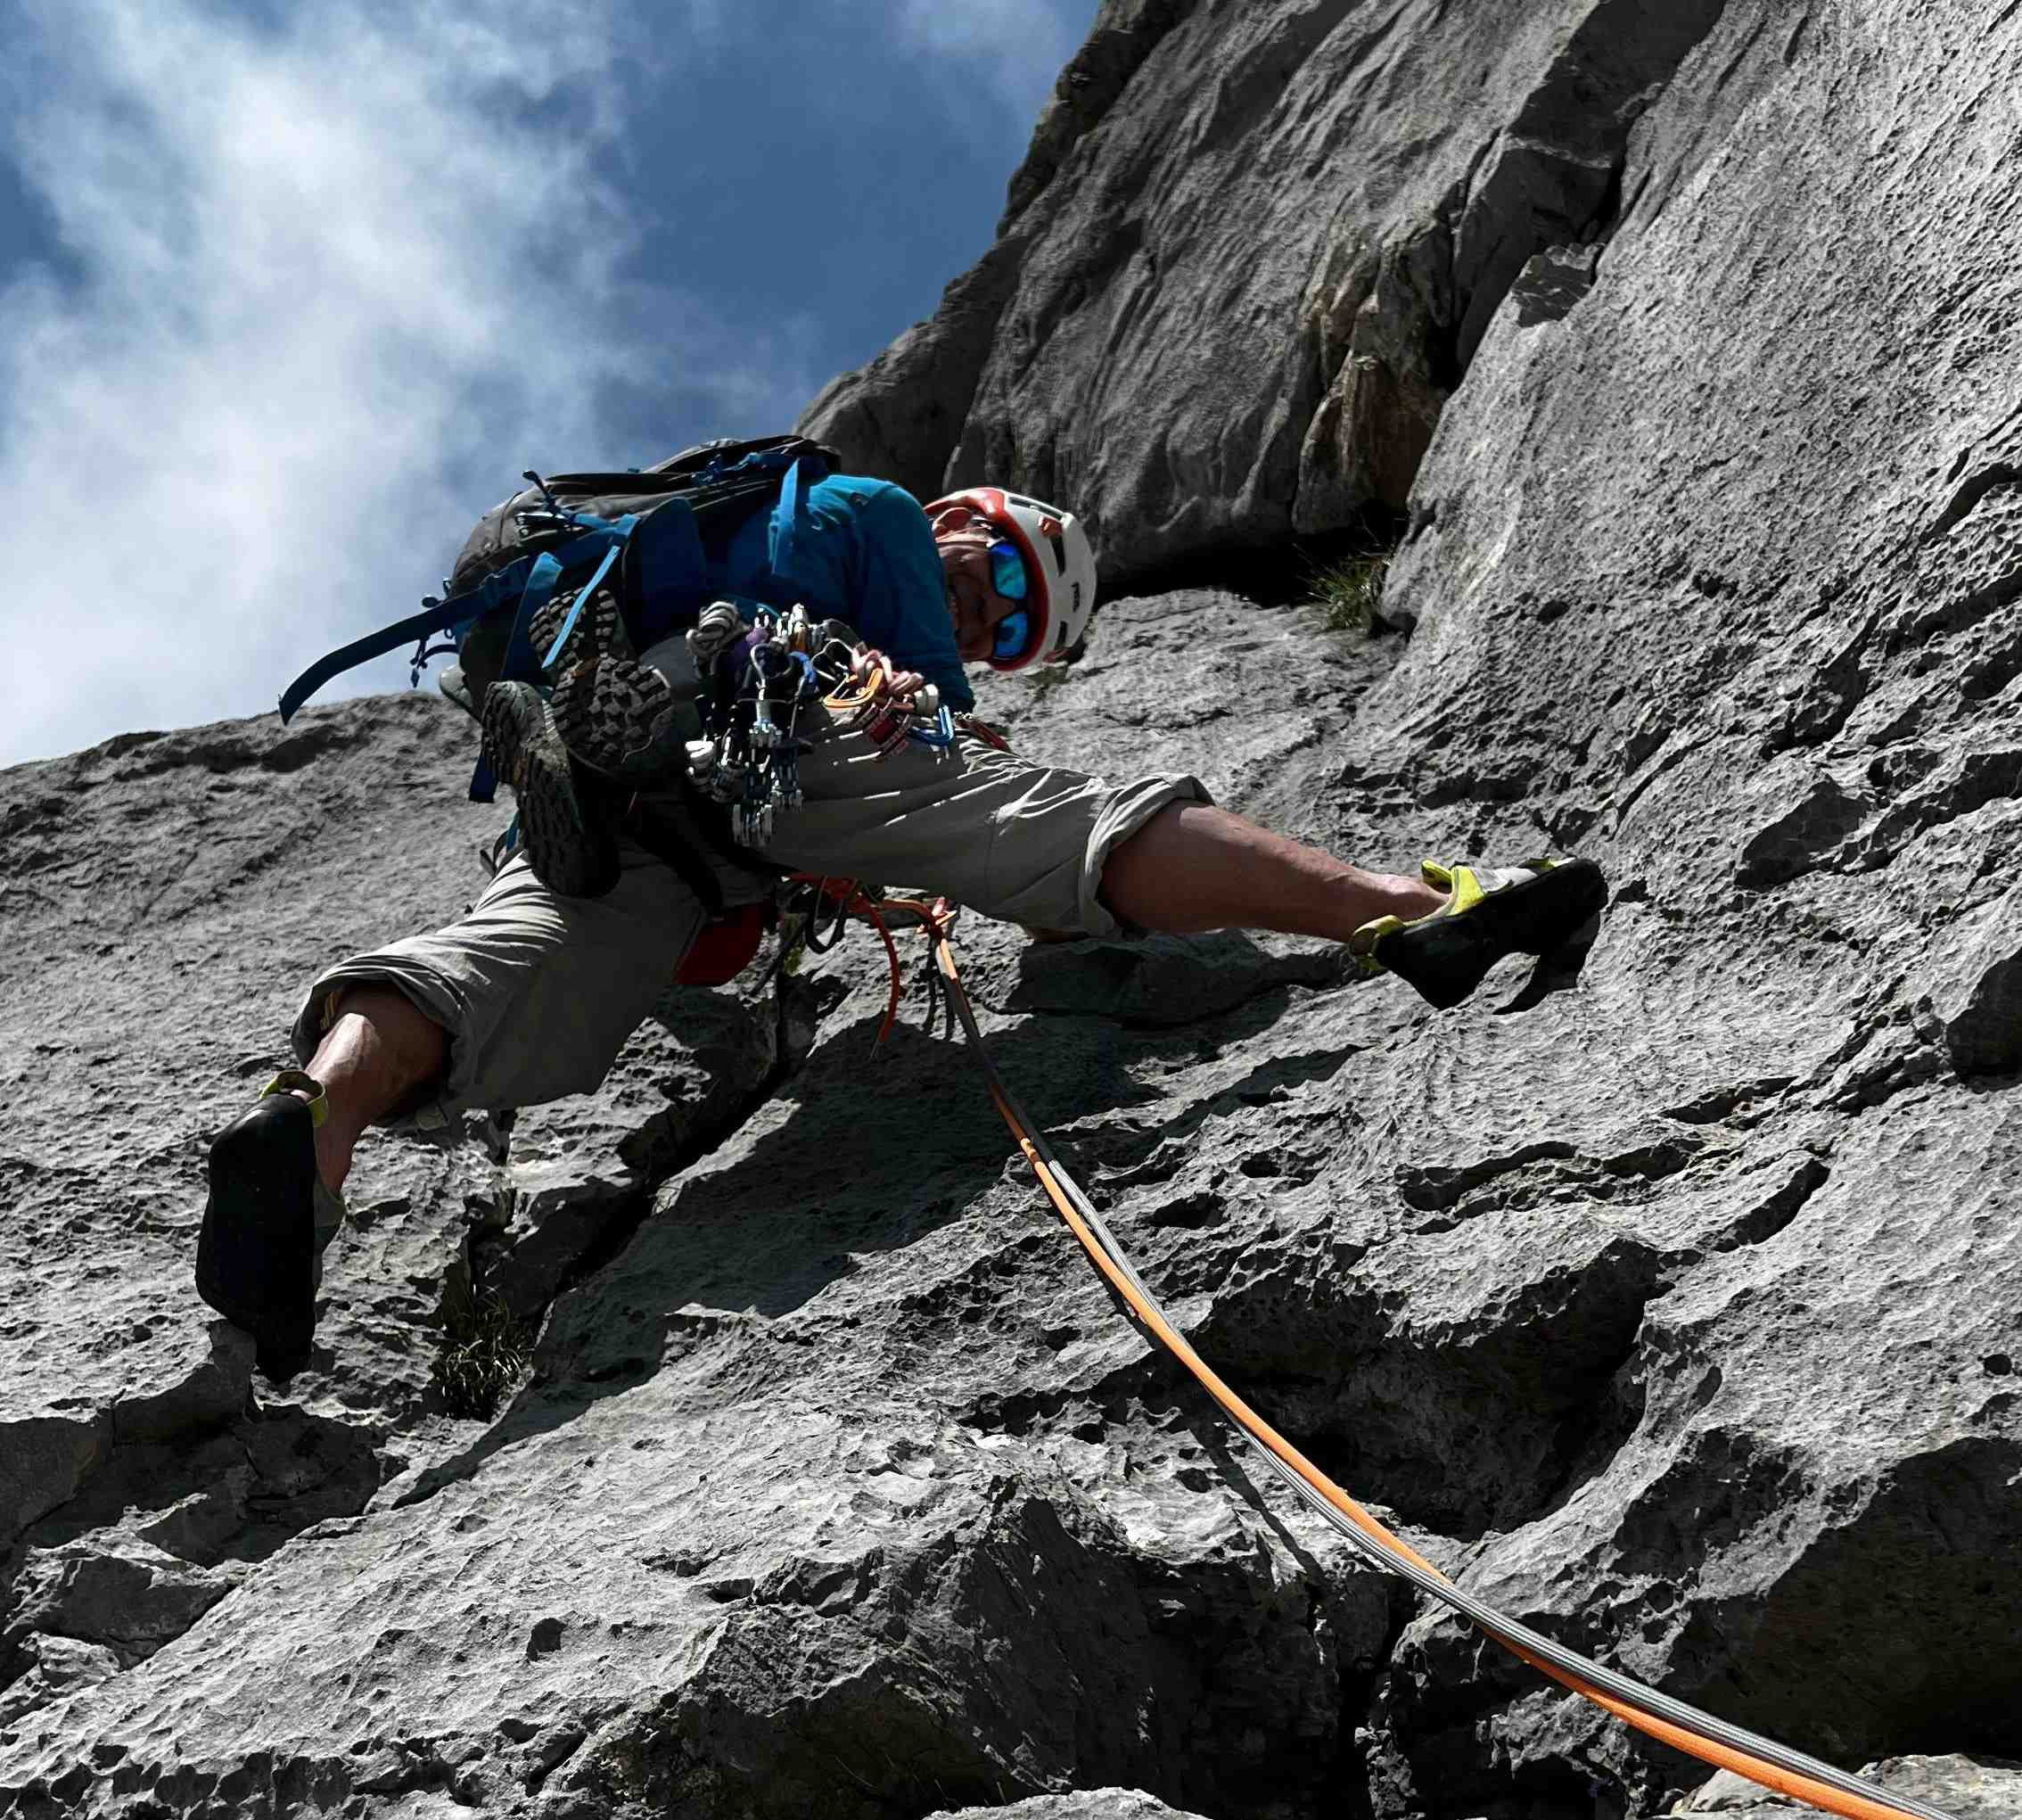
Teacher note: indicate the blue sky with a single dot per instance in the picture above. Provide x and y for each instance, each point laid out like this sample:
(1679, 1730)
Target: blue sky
(289, 294)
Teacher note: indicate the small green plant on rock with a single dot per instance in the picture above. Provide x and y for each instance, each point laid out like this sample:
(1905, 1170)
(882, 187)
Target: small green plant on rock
(481, 1352)
(1349, 591)
(792, 943)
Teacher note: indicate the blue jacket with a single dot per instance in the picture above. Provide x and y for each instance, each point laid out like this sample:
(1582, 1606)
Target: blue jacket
(855, 549)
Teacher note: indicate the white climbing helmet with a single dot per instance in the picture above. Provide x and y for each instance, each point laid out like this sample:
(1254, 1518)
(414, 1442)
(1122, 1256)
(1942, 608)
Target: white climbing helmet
(1059, 562)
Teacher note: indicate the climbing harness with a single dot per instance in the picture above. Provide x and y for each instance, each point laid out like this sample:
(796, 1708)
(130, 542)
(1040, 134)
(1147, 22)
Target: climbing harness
(749, 758)
(1672, 1722)
(811, 896)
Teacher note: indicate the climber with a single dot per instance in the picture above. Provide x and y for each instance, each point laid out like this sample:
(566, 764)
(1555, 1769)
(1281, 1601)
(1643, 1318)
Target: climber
(529, 996)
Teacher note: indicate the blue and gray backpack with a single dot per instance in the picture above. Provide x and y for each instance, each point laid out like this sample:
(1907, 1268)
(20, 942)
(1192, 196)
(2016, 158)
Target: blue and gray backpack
(658, 532)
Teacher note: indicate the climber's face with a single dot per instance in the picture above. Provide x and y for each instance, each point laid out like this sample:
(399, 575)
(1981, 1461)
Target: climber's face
(974, 606)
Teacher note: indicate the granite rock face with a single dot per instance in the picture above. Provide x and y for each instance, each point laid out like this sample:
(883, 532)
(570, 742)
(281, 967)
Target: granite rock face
(1251, 252)
(1675, 1305)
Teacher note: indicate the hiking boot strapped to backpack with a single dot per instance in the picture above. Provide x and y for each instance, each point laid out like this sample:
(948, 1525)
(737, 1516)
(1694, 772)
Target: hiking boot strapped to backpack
(650, 536)
(553, 594)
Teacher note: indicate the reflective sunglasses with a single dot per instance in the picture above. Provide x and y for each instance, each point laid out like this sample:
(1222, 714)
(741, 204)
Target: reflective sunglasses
(1007, 639)
(1008, 569)
(1007, 576)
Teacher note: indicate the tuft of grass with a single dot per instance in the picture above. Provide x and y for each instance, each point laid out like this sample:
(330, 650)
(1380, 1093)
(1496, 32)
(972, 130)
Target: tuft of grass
(481, 1352)
(1348, 592)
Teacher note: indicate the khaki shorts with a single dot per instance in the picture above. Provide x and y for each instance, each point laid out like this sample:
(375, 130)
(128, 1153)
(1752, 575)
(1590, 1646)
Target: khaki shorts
(538, 992)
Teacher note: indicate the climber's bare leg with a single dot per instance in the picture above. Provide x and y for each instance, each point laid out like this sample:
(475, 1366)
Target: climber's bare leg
(1193, 868)
(377, 1054)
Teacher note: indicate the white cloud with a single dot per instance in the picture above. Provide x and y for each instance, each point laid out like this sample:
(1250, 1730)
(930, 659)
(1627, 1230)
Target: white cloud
(342, 277)
(1014, 49)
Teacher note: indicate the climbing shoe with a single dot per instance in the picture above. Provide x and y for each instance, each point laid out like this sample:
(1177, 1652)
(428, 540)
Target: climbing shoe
(266, 1223)
(614, 713)
(563, 826)
(1537, 908)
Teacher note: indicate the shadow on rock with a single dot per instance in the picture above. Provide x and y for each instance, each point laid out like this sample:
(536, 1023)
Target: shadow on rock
(851, 1158)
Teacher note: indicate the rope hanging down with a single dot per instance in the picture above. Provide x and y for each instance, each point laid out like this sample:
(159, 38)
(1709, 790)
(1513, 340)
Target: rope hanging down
(1672, 1722)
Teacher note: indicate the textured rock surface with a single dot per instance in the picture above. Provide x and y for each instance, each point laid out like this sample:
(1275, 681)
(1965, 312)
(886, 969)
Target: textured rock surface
(1988, 1790)
(827, 1376)
(1097, 1804)
(1251, 252)
(1678, 1311)
(1767, 577)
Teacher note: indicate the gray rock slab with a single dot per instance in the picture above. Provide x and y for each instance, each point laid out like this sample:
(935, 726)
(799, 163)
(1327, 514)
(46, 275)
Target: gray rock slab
(1673, 1304)
(1778, 662)
(1983, 1790)
(1093, 1804)
(355, 1458)
(1251, 253)
(170, 895)
(1976, 973)
(46, 1665)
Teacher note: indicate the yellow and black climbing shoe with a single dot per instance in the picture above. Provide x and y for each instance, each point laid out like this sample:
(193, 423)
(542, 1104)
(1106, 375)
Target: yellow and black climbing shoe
(266, 1223)
(569, 842)
(1537, 908)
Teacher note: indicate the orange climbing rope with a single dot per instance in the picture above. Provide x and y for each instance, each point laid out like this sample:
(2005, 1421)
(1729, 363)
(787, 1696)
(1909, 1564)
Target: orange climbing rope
(1670, 1721)
(1708, 1749)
